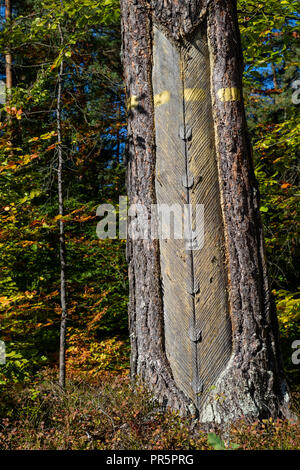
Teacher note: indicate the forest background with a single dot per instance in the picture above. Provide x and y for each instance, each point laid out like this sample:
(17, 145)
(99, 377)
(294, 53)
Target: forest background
(82, 39)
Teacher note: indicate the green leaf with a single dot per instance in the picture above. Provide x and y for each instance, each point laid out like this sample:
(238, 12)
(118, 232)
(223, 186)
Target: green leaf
(215, 441)
(234, 446)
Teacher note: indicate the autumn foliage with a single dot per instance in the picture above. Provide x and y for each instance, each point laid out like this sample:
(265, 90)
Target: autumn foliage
(99, 409)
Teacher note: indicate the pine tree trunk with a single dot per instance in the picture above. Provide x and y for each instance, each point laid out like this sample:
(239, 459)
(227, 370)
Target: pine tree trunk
(211, 349)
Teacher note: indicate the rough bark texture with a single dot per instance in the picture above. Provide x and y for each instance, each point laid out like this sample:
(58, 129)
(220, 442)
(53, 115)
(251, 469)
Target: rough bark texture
(252, 384)
(178, 17)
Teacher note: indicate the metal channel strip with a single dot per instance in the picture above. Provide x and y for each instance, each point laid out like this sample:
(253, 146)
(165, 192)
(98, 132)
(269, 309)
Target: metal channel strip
(193, 287)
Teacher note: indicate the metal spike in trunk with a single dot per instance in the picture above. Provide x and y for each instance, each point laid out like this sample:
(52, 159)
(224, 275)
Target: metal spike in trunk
(185, 132)
(195, 334)
(187, 180)
(197, 386)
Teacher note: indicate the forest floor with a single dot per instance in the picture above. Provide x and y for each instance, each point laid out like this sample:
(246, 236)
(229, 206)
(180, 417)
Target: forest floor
(110, 415)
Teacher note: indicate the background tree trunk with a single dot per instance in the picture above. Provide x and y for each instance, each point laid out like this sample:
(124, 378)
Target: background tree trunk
(250, 382)
(62, 242)
(9, 84)
(8, 56)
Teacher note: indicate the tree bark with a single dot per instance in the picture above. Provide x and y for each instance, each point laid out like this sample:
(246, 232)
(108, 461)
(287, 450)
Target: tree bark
(249, 381)
(253, 381)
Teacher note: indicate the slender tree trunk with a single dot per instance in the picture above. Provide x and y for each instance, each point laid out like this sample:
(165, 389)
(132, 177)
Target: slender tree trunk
(118, 131)
(62, 244)
(212, 348)
(8, 85)
(8, 56)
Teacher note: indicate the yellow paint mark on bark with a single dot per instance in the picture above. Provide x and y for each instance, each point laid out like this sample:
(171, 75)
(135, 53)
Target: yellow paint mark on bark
(132, 102)
(162, 98)
(194, 94)
(229, 94)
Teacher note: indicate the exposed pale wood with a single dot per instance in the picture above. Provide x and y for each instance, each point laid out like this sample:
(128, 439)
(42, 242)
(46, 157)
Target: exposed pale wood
(211, 301)
(170, 167)
(185, 146)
